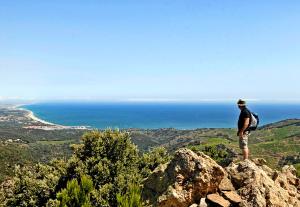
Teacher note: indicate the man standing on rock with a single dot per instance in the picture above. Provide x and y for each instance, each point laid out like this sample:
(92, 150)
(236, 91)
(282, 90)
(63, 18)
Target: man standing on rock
(243, 125)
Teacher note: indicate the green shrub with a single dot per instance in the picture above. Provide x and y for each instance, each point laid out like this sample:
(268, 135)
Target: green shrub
(76, 194)
(297, 166)
(220, 153)
(132, 198)
(110, 159)
(33, 186)
(150, 160)
(105, 170)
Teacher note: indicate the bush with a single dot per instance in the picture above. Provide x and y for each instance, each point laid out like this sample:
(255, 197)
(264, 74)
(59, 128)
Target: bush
(76, 194)
(110, 159)
(106, 169)
(33, 186)
(220, 153)
(297, 166)
(149, 161)
(132, 198)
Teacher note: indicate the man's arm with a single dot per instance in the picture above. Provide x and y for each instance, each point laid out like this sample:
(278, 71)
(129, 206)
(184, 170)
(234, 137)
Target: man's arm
(246, 125)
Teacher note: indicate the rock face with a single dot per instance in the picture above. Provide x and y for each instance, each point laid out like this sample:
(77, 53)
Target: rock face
(184, 180)
(218, 200)
(192, 179)
(261, 186)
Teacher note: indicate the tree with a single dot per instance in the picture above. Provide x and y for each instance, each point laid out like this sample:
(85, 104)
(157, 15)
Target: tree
(110, 159)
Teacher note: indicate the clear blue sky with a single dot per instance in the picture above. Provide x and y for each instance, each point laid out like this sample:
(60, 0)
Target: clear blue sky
(154, 49)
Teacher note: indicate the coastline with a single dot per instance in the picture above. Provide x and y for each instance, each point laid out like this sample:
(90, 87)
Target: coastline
(48, 125)
(33, 121)
(31, 115)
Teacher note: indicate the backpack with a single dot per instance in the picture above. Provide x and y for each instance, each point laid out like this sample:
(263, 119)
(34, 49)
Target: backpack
(254, 121)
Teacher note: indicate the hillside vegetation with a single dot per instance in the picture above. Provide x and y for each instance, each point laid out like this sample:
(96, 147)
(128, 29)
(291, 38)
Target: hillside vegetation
(278, 143)
(106, 169)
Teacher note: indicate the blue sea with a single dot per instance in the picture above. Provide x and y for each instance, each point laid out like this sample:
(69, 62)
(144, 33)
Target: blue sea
(157, 115)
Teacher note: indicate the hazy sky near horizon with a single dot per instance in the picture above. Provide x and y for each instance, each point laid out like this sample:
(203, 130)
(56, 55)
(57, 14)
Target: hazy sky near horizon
(154, 49)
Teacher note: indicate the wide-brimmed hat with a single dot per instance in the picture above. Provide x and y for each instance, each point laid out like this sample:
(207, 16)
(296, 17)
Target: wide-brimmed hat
(241, 102)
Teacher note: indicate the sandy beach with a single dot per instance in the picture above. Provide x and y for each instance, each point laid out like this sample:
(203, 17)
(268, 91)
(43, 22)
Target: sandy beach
(31, 115)
(47, 125)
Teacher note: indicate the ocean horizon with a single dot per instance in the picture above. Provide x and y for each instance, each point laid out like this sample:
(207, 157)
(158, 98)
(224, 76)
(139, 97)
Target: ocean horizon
(157, 115)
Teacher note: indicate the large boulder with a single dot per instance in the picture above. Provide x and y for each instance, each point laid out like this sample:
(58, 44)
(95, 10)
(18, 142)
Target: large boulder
(194, 179)
(260, 186)
(183, 181)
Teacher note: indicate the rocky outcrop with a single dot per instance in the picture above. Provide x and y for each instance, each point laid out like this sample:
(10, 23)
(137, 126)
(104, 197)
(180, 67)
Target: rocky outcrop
(184, 180)
(192, 179)
(261, 186)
